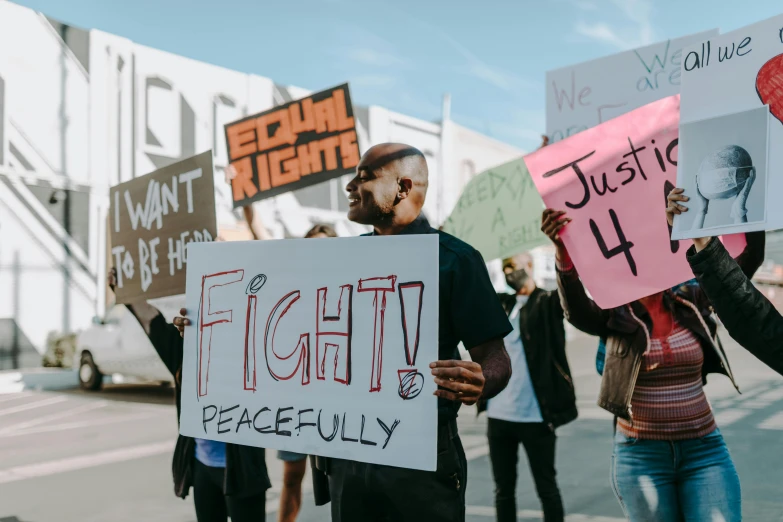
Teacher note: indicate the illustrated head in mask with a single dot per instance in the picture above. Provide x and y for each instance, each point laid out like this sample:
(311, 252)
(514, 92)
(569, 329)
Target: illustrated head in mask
(519, 272)
(726, 173)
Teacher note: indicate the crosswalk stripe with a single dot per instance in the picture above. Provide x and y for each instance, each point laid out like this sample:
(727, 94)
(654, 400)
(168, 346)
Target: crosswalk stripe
(772, 395)
(101, 421)
(529, 514)
(85, 461)
(774, 422)
(730, 416)
(48, 418)
(13, 396)
(32, 405)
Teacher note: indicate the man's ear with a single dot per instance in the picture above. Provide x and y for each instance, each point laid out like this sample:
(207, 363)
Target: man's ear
(405, 188)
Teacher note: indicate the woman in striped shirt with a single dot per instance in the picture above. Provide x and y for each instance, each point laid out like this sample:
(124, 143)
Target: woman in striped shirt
(670, 462)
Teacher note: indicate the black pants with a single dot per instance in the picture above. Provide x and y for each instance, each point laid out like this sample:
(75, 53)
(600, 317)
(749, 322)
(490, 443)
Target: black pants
(539, 442)
(213, 506)
(374, 493)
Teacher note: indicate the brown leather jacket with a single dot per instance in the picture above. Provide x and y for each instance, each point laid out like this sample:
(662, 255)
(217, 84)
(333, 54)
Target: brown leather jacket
(627, 330)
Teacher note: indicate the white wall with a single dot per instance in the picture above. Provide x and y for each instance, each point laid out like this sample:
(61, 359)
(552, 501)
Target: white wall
(467, 154)
(43, 78)
(44, 146)
(85, 116)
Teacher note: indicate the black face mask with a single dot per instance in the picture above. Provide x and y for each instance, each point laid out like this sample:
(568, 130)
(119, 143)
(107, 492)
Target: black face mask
(517, 279)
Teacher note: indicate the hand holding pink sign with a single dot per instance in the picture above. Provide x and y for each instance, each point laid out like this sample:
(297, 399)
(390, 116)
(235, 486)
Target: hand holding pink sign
(612, 180)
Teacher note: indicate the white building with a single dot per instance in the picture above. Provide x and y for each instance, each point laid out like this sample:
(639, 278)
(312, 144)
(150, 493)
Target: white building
(83, 110)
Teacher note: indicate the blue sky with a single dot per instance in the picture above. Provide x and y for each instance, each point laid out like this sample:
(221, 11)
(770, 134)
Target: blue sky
(491, 55)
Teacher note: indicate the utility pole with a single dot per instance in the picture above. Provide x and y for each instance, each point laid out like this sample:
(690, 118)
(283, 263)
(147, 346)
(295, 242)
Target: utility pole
(443, 156)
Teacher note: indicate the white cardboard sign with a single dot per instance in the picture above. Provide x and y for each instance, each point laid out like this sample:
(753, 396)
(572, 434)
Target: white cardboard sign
(318, 346)
(584, 95)
(723, 199)
(740, 72)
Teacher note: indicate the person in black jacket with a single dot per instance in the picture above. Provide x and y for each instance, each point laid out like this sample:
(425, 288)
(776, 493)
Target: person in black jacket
(748, 316)
(538, 398)
(228, 480)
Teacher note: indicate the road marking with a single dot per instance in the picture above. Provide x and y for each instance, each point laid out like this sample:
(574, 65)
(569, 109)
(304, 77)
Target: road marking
(756, 404)
(14, 396)
(773, 395)
(775, 422)
(79, 424)
(529, 514)
(594, 413)
(472, 453)
(470, 441)
(730, 416)
(478, 451)
(48, 418)
(53, 467)
(32, 405)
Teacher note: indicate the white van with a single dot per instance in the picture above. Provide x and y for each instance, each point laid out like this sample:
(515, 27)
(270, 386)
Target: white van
(117, 344)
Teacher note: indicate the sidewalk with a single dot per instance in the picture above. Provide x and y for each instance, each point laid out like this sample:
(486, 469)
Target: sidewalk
(40, 379)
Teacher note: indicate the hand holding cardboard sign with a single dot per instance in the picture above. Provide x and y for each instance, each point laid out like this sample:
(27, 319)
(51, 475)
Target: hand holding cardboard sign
(552, 222)
(181, 321)
(112, 278)
(739, 211)
(230, 172)
(702, 206)
(673, 208)
(463, 380)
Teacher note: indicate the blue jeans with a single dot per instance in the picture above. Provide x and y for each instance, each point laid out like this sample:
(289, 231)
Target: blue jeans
(673, 481)
(290, 456)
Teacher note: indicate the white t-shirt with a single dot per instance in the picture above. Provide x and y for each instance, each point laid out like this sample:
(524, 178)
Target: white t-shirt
(517, 402)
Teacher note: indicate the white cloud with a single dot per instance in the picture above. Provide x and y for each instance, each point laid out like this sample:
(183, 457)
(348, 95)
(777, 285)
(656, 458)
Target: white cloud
(602, 33)
(524, 130)
(373, 80)
(358, 46)
(369, 56)
(474, 66)
(483, 71)
(585, 5)
(637, 12)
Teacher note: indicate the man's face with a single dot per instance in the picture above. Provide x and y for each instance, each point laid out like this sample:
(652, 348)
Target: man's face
(372, 195)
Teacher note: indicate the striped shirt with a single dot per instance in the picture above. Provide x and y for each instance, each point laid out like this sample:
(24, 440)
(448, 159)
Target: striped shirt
(668, 401)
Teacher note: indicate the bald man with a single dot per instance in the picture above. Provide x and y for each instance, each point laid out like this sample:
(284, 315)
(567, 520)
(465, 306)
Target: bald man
(539, 397)
(388, 193)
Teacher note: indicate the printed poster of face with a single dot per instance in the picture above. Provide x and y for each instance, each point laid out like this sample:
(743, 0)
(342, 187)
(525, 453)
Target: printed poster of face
(723, 170)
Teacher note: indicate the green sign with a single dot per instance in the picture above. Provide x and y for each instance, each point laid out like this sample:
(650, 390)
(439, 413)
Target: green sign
(499, 212)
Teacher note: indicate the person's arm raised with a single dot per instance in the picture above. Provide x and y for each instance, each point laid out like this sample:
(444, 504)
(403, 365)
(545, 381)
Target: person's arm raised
(141, 309)
(257, 229)
(578, 308)
(749, 317)
(161, 334)
(675, 207)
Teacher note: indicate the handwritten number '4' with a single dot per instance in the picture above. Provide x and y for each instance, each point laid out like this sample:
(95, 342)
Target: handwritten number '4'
(623, 248)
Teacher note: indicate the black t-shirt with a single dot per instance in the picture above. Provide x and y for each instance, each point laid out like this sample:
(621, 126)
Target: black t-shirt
(470, 311)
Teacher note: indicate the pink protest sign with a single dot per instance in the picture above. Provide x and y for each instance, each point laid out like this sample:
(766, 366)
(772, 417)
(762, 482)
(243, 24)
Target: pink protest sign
(613, 180)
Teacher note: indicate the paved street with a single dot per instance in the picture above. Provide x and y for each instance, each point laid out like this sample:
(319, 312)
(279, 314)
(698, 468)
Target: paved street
(97, 457)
